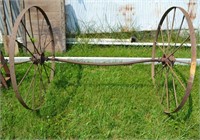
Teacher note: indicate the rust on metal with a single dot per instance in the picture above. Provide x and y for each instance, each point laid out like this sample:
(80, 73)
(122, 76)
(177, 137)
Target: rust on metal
(4, 67)
(165, 59)
(37, 54)
(106, 64)
(192, 65)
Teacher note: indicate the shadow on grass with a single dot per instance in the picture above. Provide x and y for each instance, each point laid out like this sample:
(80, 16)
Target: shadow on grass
(187, 113)
(187, 116)
(56, 104)
(178, 117)
(133, 85)
(68, 47)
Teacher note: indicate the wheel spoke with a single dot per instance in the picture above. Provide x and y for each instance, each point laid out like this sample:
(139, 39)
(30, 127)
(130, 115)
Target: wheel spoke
(171, 31)
(159, 71)
(176, 76)
(168, 36)
(48, 44)
(42, 85)
(174, 88)
(31, 84)
(166, 88)
(41, 89)
(39, 33)
(172, 24)
(42, 79)
(163, 93)
(160, 84)
(25, 31)
(46, 73)
(26, 48)
(179, 30)
(163, 50)
(33, 95)
(44, 44)
(42, 26)
(31, 38)
(52, 70)
(49, 67)
(178, 47)
(45, 39)
(30, 21)
(25, 75)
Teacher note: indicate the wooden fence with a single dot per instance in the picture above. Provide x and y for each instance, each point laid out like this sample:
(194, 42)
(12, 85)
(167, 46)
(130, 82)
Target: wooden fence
(10, 9)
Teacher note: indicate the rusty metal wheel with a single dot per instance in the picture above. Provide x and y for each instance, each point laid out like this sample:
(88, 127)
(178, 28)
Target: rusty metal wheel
(32, 32)
(175, 38)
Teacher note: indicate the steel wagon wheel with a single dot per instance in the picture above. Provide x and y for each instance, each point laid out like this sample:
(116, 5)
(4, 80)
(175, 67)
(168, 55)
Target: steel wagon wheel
(32, 32)
(175, 38)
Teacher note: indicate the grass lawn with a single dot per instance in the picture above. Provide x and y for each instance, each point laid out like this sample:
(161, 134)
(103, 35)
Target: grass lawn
(92, 102)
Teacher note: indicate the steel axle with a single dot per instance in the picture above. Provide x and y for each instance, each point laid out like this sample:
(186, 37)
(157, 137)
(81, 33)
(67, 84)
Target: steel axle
(173, 86)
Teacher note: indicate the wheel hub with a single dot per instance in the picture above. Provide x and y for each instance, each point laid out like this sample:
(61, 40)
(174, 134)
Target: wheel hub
(38, 59)
(168, 60)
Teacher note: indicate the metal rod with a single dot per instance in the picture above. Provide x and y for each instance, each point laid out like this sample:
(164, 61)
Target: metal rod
(124, 42)
(181, 61)
(104, 64)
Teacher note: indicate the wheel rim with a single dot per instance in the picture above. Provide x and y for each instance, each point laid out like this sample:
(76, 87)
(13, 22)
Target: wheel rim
(30, 78)
(173, 85)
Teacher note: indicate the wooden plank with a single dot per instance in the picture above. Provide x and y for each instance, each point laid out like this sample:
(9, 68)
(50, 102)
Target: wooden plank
(3, 81)
(51, 15)
(41, 1)
(1, 7)
(6, 40)
(4, 64)
(7, 78)
(56, 14)
(6, 69)
(54, 23)
(46, 5)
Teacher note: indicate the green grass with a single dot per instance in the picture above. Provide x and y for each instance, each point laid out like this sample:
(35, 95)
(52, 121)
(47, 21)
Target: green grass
(98, 103)
(141, 36)
(1, 48)
(93, 102)
(119, 51)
